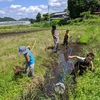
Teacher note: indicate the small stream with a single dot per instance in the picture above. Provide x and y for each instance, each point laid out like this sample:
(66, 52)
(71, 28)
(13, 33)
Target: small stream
(58, 73)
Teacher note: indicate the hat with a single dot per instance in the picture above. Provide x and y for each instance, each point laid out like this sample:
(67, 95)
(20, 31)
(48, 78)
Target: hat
(22, 50)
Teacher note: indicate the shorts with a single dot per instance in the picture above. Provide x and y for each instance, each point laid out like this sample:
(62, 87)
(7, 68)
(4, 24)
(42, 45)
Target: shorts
(56, 40)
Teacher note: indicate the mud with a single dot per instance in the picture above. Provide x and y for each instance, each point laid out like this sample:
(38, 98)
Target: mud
(57, 68)
(54, 75)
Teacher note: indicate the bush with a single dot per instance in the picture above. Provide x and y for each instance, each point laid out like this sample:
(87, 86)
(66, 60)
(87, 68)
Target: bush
(46, 25)
(78, 20)
(63, 22)
(85, 15)
(84, 39)
(55, 22)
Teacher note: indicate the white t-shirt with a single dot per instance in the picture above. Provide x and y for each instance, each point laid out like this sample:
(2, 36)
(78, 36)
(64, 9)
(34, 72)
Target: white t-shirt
(83, 59)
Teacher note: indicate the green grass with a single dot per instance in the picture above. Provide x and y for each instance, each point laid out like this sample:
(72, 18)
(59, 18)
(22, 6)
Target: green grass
(19, 28)
(84, 39)
(12, 88)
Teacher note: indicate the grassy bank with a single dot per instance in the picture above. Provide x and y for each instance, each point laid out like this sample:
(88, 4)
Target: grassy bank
(13, 88)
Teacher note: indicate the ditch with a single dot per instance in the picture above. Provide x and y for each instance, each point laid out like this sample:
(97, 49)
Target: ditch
(55, 74)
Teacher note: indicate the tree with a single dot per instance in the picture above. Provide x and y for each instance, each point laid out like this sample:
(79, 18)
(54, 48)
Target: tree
(32, 21)
(78, 6)
(66, 10)
(45, 17)
(38, 17)
(93, 5)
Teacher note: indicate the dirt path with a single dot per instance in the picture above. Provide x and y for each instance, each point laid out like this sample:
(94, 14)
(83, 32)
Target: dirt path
(2, 35)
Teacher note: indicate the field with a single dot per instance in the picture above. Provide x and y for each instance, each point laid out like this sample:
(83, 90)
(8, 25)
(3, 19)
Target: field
(13, 87)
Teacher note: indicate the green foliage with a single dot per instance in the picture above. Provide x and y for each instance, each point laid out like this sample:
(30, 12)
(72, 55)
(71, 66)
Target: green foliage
(93, 5)
(78, 6)
(38, 17)
(17, 88)
(78, 20)
(32, 21)
(45, 17)
(11, 86)
(42, 25)
(46, 25)
(88, 84)
(66, 10)
(63, 22)
(55, 22)
(85, 14)
(38, 25)
(84, 39)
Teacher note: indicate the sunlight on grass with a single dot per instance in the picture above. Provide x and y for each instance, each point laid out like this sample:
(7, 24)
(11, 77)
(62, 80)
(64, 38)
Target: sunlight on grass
(16, 87)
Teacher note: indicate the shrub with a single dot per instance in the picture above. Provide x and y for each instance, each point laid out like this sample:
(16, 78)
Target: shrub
(84, 39)
(85, 15)
(46, 24)
(63, 22)
(78, 20)
(55, 22)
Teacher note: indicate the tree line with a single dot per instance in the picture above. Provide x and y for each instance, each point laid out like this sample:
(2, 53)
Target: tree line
(75, 8)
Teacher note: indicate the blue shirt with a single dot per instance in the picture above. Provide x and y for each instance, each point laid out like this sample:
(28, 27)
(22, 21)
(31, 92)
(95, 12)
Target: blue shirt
(32, 60)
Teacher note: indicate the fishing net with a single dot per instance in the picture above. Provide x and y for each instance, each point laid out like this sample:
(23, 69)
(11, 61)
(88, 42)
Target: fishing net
(69, 66)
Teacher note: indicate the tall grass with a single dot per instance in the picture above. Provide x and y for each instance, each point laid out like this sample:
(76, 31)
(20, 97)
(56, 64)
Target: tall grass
(9, 57)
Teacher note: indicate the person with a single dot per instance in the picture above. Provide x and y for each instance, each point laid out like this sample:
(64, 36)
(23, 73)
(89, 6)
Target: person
(65, 41)
(55, 35)
(82, 64)
(29, 60)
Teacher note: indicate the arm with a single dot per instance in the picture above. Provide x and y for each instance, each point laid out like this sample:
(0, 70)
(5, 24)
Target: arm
(92, 66)
(74, 56)
(27, 59)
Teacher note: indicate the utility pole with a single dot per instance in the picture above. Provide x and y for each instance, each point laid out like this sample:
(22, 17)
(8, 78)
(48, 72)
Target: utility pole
(66, 3)
(48, 13)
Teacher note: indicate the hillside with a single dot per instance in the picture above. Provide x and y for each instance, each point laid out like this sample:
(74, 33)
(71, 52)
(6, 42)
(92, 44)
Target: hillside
(7, 19)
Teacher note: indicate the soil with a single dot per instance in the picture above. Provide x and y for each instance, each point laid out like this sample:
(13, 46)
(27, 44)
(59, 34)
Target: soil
(7, 34)
(56, 68)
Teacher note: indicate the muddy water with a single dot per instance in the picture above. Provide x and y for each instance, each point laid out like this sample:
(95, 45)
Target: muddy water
(58, 73)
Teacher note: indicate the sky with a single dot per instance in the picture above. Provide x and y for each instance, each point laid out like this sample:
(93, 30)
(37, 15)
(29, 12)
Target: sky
(18, 9)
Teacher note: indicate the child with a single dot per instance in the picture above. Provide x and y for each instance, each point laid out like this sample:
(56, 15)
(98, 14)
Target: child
(29, 60)
(82, 64)
(65, 41)
(55, 35)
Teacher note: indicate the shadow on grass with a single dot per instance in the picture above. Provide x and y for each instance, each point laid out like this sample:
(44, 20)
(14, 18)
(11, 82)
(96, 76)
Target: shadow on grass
(51, 47)
(16, 77)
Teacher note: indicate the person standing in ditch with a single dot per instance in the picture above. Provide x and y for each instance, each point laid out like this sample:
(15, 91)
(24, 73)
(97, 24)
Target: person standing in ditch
(55, 35)
(29, 60)
(82, 64)
(65, 41)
